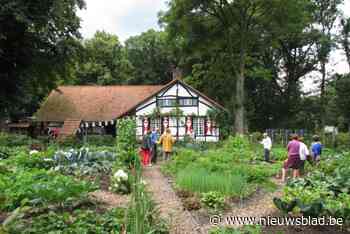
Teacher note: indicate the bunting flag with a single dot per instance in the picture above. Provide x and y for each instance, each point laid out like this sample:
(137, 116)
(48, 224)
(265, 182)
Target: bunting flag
(189, 125)
(208, 127)
(145, 125)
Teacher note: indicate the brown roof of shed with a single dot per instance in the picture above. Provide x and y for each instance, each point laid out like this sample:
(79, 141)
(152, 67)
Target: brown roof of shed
(93, 103)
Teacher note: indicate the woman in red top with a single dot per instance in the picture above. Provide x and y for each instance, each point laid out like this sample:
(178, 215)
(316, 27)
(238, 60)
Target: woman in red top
(293, 160)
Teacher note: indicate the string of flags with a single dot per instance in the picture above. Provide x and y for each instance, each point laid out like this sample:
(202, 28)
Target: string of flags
(97, 124)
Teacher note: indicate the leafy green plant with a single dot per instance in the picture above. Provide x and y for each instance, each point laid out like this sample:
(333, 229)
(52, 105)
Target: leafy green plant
(143, 216)
(199, 180)
(79, 221)
(325, 191)
(213, 200)
(100, 140)
(84, 161)
(126, 141)
(40, 187)
(11, 140)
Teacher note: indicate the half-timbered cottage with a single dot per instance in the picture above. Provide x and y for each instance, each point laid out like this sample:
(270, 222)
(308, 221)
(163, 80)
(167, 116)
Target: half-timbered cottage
(96, 109)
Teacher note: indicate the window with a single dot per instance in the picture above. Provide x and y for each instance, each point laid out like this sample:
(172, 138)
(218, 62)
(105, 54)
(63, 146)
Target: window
(166, 102)
(156, 123)
(198, 124)
(188, 101)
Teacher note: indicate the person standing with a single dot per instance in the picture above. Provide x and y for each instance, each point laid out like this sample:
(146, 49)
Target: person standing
(316, 148)
(154, 139)
(304, 154)
(267, 143)
(167, 142)
(293, 160)
(146, 148)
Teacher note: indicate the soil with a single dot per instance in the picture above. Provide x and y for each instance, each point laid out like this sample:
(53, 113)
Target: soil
(110, 200)
(3, 216)
(105, 182)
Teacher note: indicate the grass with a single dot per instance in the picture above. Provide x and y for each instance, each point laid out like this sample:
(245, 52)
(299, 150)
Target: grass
(199, 180)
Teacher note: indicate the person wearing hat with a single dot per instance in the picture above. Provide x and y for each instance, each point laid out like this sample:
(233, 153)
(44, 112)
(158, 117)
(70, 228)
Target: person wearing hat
(267, 144)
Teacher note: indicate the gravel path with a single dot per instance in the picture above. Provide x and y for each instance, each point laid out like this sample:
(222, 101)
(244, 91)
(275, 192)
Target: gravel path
(171, 209)
(259, 205)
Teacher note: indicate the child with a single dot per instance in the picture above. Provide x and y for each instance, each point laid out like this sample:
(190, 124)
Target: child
(167, 141)
(316, 148)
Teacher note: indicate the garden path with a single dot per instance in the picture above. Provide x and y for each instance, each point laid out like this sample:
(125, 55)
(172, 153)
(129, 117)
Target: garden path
(180, 220)
(259, 205)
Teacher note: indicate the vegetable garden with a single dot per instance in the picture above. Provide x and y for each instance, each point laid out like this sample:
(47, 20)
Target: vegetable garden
(51, 190)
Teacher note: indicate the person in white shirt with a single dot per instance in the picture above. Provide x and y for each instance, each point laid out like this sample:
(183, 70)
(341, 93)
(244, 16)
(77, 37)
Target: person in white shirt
(303, 153)
(267, 143)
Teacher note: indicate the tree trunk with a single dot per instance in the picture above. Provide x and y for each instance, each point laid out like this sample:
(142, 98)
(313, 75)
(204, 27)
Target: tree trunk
(239, 113)
(323, 90)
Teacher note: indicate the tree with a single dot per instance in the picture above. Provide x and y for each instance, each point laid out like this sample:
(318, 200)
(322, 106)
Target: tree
(345, 37)
(326, 14)
(150, 57)
(104, 61)
(232, 25)
(37, 40)
(342, 87)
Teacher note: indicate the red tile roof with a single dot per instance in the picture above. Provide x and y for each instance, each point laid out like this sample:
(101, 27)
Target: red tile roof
(100, 103)
(93, 103)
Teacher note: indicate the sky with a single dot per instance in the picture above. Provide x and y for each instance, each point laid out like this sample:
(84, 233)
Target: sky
(127, 18)
(124, 18)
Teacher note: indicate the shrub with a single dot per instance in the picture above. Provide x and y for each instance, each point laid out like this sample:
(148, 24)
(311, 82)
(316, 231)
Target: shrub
(256, 137)
(126, 141)
(100, 140)
(279, 153)
(343, 140)
(10, 140)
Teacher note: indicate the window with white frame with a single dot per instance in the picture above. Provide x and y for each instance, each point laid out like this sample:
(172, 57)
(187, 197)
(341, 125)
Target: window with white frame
(155, 123)
(166, 102)
(188, 102)
(198, 124)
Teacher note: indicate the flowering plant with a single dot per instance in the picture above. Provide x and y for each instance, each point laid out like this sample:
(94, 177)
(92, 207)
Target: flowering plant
(120, 182)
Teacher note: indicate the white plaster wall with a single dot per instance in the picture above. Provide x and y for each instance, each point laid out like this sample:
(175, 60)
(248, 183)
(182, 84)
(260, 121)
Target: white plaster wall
(203, 109)
(184, 93)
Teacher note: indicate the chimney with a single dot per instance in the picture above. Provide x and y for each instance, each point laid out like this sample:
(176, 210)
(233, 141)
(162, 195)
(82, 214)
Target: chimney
(177, 74)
